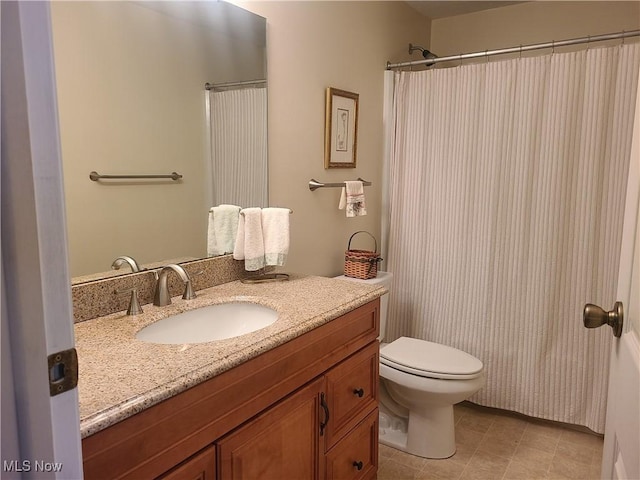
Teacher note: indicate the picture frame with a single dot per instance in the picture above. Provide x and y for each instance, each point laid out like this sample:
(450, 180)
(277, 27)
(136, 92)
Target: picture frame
(341, 129)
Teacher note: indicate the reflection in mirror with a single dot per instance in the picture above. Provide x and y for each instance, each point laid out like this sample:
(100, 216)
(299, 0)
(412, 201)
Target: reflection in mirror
(239, 168)
(132, 100)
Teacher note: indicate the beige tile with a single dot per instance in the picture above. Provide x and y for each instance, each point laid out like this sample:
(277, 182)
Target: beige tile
(594, 472)
(532, 457)
(392, 470)
(546, 429)
(596, 460)
(501, 445)
(519, 471)
(386, 452)
(574, 453)
(458, 413)
(429, 475)
(485, 466)
(463, 454)
(508, 426)
(409, 460)
(584, 439)
(476, 421)
(445, 469)
(532, 438)
(467, 436)
(564, 469)
(463, 408)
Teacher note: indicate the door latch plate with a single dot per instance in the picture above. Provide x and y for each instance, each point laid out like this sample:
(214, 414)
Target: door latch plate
(63, 371)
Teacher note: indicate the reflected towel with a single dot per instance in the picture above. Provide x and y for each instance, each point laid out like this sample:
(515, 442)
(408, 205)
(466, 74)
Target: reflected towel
(352, 197)
(223, 227)
(275, 229)
(249, 244)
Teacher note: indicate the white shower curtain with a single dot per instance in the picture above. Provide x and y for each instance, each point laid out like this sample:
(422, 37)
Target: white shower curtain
(506, 185)
(239, 146)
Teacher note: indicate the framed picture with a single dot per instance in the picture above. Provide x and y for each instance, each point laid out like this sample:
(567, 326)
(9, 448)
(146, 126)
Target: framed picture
(341, 129)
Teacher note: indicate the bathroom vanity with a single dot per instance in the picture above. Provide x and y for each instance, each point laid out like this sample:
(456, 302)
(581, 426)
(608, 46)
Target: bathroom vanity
(295, 400)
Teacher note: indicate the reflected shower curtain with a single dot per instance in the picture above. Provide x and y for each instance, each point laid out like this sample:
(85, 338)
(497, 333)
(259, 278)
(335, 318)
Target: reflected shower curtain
(507, 185)
(239, 146)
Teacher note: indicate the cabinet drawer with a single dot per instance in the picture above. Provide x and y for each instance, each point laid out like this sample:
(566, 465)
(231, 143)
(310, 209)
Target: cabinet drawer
(352, 391)
(356, 455)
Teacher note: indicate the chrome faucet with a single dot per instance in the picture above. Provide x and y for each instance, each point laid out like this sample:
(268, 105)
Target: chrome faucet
(161, 296)
(121, 260)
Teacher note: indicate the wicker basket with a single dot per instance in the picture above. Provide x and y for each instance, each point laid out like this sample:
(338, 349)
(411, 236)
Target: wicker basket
(361, 264)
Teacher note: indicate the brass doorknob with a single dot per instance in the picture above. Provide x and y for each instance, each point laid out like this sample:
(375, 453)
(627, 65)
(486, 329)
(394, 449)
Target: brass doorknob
(594, 317)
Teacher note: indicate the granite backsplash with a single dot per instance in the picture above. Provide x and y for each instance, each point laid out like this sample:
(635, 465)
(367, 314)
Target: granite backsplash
(109, 295)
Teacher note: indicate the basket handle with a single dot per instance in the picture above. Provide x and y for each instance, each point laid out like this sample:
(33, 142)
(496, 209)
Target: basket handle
(375, 242)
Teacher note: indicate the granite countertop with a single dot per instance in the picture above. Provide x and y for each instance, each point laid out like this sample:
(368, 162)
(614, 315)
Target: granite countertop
(120, 376)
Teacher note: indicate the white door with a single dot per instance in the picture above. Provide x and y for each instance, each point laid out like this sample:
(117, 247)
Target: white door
(621, 456)
(40, 430)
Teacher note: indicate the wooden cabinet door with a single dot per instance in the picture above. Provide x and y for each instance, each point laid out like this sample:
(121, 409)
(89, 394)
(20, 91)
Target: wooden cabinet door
(284, 442)
(202, 466)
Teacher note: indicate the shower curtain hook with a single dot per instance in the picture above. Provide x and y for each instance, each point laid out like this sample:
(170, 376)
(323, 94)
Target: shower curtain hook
(588, 42)
(486, 54)
(520, 53)
(623, 37)
(553, 47)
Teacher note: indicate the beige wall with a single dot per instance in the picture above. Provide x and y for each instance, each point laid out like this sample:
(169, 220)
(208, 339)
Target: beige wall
(312, 46)
(131, 101)
(531, 22)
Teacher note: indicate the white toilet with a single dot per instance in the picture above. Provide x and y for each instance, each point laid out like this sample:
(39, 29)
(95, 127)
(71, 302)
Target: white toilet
(420, 382)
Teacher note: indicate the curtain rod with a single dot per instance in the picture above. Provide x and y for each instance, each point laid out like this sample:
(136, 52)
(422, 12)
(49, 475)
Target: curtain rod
(518, 49)
(247, 83)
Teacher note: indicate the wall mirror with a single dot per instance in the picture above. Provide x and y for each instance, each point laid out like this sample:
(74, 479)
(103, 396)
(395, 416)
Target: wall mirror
(132, 101)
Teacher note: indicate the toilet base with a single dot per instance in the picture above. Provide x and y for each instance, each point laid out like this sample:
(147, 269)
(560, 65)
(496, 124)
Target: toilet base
(429, 433)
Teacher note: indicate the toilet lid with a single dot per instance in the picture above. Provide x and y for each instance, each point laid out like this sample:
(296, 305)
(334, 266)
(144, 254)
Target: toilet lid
(428, 359)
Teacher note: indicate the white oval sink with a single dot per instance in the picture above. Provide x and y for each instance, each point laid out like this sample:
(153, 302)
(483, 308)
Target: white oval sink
(206, 324)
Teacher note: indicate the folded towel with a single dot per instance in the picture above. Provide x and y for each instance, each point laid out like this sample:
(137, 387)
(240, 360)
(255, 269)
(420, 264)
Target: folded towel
(249, 244)
(352, 197)
(223, 227)
(275, 229)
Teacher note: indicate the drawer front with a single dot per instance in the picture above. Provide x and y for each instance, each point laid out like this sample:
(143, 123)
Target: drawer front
(352, 392)
(356, 455)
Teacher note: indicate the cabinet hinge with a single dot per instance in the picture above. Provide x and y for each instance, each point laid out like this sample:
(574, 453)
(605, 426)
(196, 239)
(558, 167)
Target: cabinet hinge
(63, 371)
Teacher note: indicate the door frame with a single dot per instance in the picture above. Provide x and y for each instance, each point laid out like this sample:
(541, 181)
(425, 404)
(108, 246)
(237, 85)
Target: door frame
(37, 313)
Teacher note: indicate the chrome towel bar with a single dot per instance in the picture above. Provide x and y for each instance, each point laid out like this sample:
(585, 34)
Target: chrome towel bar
(290, 212)
(314, 184)
(95, 176)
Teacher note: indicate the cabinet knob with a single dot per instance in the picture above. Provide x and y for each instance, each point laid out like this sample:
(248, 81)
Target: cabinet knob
(358, 465)
(359, 392)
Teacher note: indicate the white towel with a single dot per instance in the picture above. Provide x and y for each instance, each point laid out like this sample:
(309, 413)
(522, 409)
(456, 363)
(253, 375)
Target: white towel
(249, 241)
(275, 229)
(352, 197)
(223, 227)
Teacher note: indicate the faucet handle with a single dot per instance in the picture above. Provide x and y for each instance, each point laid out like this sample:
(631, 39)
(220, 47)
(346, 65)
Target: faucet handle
(134, 304)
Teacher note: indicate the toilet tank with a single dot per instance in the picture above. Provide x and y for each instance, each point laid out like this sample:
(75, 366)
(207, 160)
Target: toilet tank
(384, 279)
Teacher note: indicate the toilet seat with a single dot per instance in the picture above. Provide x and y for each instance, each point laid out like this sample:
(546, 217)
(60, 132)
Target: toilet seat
(431, 360)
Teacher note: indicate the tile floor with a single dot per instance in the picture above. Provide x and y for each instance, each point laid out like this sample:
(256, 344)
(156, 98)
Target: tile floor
(497, 445)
